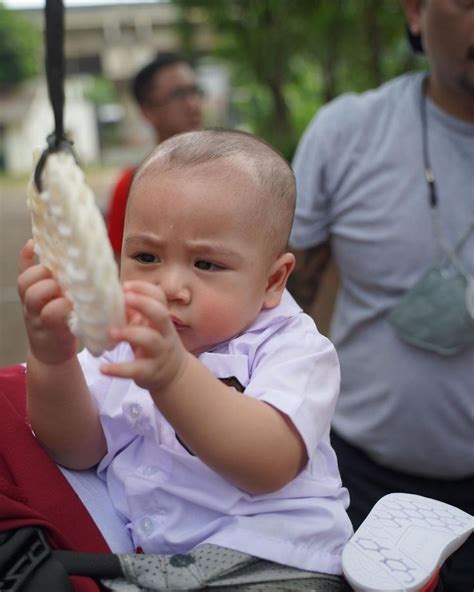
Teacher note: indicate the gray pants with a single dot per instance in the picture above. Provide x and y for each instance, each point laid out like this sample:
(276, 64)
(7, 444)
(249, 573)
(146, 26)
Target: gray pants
(210, 567)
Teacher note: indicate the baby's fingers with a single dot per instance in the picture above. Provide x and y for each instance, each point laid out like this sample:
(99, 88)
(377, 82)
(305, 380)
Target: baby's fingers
(154, 311)
(55, 313)
(135, 369)
(39, 293)
(30, 273)
(26, 257)
(146, 289)
(144, 340)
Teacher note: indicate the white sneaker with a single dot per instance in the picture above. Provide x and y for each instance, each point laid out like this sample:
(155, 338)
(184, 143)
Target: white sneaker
(403, 542)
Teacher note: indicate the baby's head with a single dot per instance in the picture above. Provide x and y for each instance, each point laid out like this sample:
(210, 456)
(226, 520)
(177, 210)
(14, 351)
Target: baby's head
(260, 183)
(208, 219)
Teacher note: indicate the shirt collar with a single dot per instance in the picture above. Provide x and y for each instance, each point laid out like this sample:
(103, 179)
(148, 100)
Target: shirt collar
(268, 317)
(287, 309)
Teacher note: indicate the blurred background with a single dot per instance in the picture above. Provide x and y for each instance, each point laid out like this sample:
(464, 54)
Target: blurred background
(265, 66)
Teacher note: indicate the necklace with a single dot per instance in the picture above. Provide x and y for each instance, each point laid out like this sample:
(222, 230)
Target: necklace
(447, 251)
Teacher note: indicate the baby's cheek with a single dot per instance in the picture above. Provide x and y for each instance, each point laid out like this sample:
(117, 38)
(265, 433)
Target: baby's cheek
(217, 318)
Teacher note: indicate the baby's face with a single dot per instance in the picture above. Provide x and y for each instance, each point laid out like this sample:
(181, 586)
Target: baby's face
(196, 237)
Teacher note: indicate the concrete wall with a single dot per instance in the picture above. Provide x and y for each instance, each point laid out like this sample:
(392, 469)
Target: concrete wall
(25, 134)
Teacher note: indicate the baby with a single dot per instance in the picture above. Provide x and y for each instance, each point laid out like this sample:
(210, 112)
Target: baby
(209, 421)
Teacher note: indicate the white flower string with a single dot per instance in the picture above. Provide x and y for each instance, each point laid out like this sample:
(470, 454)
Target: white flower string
(71, 240)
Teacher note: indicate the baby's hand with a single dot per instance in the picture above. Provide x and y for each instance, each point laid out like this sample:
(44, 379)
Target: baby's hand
(160, 356)
(45, 311)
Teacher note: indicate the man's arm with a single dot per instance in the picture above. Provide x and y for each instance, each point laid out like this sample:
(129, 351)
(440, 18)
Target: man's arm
(305, 279)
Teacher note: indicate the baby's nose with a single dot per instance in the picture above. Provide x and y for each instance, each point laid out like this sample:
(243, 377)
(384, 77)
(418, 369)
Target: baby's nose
(175, 286)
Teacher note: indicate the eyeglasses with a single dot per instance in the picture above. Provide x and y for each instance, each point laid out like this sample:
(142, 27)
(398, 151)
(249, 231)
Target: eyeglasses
(180, 93)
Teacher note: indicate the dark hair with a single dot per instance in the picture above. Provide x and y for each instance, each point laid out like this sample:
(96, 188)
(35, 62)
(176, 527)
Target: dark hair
(141, 84)
(415, 41)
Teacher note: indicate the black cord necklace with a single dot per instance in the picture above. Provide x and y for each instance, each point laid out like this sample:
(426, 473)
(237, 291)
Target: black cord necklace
(448, 252)
(424, 138)
(449, 255)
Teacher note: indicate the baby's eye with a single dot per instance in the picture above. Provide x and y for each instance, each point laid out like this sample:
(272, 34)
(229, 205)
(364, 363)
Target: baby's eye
(146, 258)
(207, 265)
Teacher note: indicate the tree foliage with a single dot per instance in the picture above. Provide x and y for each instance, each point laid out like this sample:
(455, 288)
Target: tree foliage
(289, 58)
(19, 47)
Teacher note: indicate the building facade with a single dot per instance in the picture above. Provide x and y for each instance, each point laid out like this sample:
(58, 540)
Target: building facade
(109, 43)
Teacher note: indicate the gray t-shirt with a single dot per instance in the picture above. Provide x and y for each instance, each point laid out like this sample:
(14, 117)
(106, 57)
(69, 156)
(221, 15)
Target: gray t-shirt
(360, 179)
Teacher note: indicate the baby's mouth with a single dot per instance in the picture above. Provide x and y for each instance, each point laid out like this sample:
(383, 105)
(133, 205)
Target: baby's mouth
(179, 325)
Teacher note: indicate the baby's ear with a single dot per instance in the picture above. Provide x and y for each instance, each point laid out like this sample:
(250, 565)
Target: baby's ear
(277, 278)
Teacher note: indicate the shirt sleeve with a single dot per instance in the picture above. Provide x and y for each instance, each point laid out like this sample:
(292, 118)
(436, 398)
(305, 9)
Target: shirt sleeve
(297, 372)
(97, 382)
(318, 166)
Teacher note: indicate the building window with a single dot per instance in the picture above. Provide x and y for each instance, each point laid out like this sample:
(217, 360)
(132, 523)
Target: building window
(84, 65)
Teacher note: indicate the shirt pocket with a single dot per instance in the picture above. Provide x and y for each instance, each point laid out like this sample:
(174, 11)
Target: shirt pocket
(227, 367)
(231, 369)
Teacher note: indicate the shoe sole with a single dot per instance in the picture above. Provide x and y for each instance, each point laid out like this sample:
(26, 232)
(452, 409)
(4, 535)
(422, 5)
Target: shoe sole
(403, 542)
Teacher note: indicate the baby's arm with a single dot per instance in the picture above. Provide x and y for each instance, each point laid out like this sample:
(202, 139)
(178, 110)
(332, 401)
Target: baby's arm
(247, 441)
(61, 410)
(243, 439)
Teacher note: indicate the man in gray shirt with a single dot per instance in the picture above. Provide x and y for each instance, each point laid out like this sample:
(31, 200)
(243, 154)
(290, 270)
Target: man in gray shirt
(405, 417)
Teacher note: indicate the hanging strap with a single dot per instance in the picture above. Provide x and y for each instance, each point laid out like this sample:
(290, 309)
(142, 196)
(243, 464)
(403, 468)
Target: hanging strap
(54, 62)
(54, 41)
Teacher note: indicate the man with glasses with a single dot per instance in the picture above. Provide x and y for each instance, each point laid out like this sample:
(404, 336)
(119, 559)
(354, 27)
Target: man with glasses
(170, 100)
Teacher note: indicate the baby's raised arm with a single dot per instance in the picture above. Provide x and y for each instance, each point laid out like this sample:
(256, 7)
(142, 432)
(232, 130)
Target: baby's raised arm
(61, 410)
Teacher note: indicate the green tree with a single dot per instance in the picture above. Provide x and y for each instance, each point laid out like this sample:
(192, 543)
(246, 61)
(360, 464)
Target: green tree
(289, 58)
(19, 49)
(258, 39)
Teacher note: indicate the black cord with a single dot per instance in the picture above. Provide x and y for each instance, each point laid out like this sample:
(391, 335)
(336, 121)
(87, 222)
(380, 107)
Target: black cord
(424, 137)
(54, 42)
(54, 61)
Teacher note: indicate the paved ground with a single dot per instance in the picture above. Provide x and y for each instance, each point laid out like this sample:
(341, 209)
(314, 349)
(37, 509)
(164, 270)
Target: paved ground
(15, 229)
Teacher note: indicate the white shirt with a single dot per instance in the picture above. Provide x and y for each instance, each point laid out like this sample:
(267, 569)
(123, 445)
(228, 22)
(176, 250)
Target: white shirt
(174, 502)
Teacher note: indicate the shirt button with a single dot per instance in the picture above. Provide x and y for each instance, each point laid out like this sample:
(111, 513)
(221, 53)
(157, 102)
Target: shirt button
(150, 470)
(146, 524)
(135, 411)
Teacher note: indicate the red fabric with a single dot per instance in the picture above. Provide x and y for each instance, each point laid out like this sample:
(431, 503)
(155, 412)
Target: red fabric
(115, 216)
(431, 585)
(32, 489)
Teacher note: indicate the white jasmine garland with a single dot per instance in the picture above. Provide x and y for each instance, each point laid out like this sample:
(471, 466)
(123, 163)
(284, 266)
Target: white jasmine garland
(71, 240)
